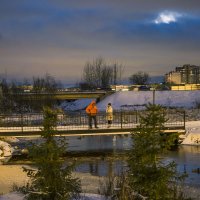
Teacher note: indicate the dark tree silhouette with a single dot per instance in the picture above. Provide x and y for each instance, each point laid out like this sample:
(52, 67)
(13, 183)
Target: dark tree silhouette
(139, 78)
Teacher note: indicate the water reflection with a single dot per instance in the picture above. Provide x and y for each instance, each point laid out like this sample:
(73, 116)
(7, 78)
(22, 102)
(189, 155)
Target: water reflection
(188, 160)
(99, 143)
(186, 157)
(101, 167)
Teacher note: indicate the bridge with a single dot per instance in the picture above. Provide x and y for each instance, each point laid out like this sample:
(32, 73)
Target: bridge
(61, 95)
(76, 124)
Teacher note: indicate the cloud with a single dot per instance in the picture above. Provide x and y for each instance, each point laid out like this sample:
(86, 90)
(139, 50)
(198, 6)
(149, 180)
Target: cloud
(167, 17)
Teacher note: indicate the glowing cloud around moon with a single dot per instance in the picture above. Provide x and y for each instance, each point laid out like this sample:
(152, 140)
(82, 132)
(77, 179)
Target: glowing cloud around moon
(167, 17)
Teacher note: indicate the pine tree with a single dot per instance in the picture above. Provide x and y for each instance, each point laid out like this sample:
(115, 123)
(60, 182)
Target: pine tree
(52, 179)
(148, 174)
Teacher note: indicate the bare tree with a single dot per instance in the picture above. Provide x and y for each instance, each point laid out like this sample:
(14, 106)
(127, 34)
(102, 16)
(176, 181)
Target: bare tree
(98, 65)
(6, 99)
(106, 76)
(88, 75)
(45, 84)
(118, 70)
(100, 74)
(139, 78)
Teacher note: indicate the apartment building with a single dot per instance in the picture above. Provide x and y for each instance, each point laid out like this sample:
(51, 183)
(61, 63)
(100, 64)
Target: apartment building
(187, 74)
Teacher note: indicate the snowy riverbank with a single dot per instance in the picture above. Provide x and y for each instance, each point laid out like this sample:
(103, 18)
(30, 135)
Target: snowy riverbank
(17, 196)
(13, 174)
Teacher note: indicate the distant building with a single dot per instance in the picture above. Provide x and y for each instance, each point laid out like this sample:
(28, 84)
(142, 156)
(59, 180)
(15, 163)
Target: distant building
(130, 87)
(173, 77)
(120, 87)
(187, 74)
(186, 87)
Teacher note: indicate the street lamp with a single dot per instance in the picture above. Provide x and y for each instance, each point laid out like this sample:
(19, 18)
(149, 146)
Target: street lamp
(154, 89)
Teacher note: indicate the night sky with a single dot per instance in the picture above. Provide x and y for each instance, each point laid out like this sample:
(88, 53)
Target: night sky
(59, 36)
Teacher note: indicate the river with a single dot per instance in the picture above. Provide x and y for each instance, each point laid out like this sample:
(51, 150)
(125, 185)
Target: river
(186, 157)
(103, 156)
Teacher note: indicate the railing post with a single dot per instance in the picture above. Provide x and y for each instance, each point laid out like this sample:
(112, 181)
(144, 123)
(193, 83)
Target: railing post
(136, 116)
(80, 118)
(22, 122)
(184, 118)
(154, 96)
(121, 117)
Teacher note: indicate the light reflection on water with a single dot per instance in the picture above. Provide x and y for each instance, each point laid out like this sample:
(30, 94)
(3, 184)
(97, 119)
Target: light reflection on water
(99, 143)
(187, 158)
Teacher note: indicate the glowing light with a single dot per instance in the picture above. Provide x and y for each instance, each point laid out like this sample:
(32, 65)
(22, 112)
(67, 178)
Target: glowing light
(167, 17)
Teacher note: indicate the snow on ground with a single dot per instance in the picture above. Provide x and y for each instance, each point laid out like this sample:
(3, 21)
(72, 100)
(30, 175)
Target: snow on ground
(17, 196)
(12, 196)
(192, 124)
(75, 105)
(14, 174)
(185, 99)
(192, 136)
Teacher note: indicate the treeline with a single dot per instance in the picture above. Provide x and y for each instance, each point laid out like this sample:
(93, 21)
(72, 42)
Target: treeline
(11, 101)
(100, 74)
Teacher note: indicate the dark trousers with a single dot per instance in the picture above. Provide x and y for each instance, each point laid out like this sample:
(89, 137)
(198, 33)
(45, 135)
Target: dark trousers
(94, 118)
(109, 121)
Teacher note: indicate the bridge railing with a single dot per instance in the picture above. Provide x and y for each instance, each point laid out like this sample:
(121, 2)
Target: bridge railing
(79, 120)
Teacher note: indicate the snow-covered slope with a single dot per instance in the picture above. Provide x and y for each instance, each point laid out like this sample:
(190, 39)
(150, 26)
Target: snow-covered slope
(185, 99)
(75, 105)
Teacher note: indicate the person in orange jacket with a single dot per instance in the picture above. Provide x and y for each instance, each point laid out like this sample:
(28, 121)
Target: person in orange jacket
(92, 111)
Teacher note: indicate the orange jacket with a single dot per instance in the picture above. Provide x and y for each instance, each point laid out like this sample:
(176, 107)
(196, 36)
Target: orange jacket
(92, 108)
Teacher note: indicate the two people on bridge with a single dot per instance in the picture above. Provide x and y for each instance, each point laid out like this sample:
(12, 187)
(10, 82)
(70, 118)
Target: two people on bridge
(92, 111)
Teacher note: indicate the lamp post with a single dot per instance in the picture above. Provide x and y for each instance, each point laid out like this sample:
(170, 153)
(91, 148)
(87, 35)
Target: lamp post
(154, 96)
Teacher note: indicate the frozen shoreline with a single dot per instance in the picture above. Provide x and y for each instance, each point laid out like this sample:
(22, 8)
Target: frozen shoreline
(13, 174)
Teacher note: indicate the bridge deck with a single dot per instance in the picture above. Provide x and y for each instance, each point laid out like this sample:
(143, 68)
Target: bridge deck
(36, 131)
(62, 95)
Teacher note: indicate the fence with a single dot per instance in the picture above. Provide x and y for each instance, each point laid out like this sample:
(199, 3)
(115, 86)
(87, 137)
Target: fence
(79, 121)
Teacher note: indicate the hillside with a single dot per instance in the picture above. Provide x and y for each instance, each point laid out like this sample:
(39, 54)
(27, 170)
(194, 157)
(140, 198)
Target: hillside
(186, 99)
(133, 99)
